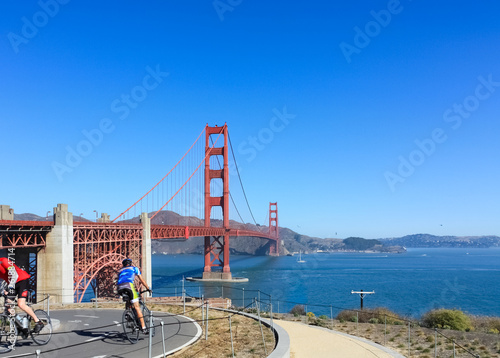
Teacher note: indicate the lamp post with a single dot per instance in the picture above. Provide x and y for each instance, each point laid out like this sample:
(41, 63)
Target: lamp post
(362, 295)
(47, 216)
(96, 214)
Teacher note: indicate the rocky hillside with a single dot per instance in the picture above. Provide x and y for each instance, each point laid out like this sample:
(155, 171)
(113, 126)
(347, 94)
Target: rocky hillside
(426, 240)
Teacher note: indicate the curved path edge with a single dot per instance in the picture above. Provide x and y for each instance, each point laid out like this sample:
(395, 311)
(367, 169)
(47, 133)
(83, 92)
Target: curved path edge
(282, 347)
(188, 343)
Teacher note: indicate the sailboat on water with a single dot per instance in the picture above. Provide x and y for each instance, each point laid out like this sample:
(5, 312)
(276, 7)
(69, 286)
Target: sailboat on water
(300, 261)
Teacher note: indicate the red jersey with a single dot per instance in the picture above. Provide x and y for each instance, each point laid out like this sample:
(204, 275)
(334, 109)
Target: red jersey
(4, 271)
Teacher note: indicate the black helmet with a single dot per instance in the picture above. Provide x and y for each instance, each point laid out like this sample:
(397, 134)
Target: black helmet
(127, 262)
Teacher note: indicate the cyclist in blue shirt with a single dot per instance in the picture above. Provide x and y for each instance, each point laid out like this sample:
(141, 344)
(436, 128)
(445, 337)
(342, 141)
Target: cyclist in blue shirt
(125, 284)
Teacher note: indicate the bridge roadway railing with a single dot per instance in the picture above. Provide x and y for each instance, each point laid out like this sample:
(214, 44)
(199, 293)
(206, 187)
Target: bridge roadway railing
(177, 231)
(30, 233)
(15, 233)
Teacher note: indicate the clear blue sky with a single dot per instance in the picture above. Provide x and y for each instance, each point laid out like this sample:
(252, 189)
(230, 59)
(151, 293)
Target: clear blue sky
(392, 123)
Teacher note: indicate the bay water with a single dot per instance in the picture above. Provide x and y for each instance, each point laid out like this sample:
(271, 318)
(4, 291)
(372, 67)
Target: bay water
(409, 284)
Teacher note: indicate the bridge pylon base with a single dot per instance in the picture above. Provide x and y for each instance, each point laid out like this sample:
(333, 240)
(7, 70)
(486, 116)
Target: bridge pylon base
(217, 276)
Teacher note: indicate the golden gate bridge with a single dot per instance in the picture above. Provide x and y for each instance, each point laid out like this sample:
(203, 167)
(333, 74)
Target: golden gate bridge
(65, 256)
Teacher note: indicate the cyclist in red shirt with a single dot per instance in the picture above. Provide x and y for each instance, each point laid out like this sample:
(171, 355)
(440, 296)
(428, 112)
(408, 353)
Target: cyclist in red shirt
(17, 281)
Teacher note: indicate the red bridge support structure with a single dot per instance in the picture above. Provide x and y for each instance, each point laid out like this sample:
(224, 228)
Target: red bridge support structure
(217, 247)
(99, 249)
(274, 249)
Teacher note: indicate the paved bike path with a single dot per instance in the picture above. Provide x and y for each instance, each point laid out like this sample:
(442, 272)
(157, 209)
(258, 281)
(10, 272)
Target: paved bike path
(89, 333)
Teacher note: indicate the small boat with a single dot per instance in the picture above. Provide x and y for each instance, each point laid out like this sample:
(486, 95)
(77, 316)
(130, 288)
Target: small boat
(300, 261)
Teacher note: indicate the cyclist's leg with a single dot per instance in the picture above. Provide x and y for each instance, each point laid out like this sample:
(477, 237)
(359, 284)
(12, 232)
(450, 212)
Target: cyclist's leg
(139, 314)
(22, 293)
(135, 302)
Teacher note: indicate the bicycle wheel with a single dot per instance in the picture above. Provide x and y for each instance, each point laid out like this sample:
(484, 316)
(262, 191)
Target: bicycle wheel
(146, 313)
(8, 333)
(130, 328)
(42, 337)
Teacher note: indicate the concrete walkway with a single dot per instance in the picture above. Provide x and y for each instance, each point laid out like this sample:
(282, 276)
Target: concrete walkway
(310, 341)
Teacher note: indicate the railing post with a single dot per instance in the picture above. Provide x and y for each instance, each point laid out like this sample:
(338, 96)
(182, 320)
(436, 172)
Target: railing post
(150, 345)
(163, 339)
(203, 310)
(331, 314)
(435, 342)
(271, 310)
(206, 323)
(409, 339)
(357, 323)
(183, 297)
(243, 305)
(48, 304)
(231, 333)
(385, 329)
(261, 330)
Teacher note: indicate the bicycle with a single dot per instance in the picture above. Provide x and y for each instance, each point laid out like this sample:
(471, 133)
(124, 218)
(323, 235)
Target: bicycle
(130, 321)
(12, 325)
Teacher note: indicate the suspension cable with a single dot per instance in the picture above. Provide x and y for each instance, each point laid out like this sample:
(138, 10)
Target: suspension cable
(239, 177)
(230, 195)
(177, 192)
(163, 177)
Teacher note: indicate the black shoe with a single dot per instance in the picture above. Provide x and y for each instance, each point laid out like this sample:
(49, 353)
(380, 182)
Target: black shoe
(38, 327)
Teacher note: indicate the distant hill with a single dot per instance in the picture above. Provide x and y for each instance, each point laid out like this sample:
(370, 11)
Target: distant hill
(33, 217)
(426, 240)
(30, 217)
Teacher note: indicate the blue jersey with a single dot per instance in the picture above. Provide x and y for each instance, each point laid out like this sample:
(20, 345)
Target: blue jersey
(127, 274)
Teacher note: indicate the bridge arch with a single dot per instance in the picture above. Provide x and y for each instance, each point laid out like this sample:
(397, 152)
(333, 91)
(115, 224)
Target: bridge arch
(111, 260)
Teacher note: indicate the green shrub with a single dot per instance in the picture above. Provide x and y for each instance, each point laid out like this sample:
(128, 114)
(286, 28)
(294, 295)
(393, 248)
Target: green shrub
(310, 314)
(448, 319)
(369, 316)
(323, 317)
(298, 310)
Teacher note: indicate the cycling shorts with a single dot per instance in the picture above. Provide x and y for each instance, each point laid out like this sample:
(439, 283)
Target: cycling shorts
(127, 289)
(21, 289)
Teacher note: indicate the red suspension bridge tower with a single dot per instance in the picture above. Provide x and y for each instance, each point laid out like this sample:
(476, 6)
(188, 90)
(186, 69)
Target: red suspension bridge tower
(216, 247)
(274, 249)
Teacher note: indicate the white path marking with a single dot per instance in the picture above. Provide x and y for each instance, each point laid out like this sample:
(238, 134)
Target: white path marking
(81, 315)
(96, 338)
